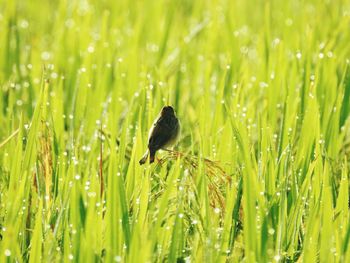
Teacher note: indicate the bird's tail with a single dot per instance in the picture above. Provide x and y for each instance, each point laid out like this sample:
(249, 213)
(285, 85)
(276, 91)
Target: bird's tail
(144, 158)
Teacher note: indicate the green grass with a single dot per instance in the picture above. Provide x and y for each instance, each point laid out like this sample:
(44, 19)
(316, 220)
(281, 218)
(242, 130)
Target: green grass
(261, 173)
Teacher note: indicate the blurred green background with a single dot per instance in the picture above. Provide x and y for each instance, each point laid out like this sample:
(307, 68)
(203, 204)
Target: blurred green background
(260, 87)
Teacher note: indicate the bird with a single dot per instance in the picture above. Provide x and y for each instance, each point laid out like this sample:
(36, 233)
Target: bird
(164, 133)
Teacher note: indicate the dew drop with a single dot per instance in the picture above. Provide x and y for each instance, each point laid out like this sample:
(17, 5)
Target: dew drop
(7, 252)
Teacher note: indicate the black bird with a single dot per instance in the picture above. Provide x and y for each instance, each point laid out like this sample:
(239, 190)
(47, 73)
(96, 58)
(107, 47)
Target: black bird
(164, 133)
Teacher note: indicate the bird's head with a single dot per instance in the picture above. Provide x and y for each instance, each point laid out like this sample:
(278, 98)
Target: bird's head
(167, 110)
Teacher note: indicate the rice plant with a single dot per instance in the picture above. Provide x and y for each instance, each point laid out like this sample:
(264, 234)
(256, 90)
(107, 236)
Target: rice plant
(261, 170)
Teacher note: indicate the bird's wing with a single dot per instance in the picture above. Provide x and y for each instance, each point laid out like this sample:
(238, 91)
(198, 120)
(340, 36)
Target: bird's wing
(162, 132)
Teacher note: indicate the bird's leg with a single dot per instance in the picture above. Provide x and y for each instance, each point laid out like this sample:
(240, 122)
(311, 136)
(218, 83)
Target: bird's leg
(152, 154)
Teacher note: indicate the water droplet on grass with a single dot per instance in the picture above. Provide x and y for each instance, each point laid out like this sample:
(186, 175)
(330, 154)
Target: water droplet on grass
(45, 55)
(117, 258)
(275, 42)
(298, 55)
(90, 49)
(7, 252)
(277, 258)
(91, 194)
